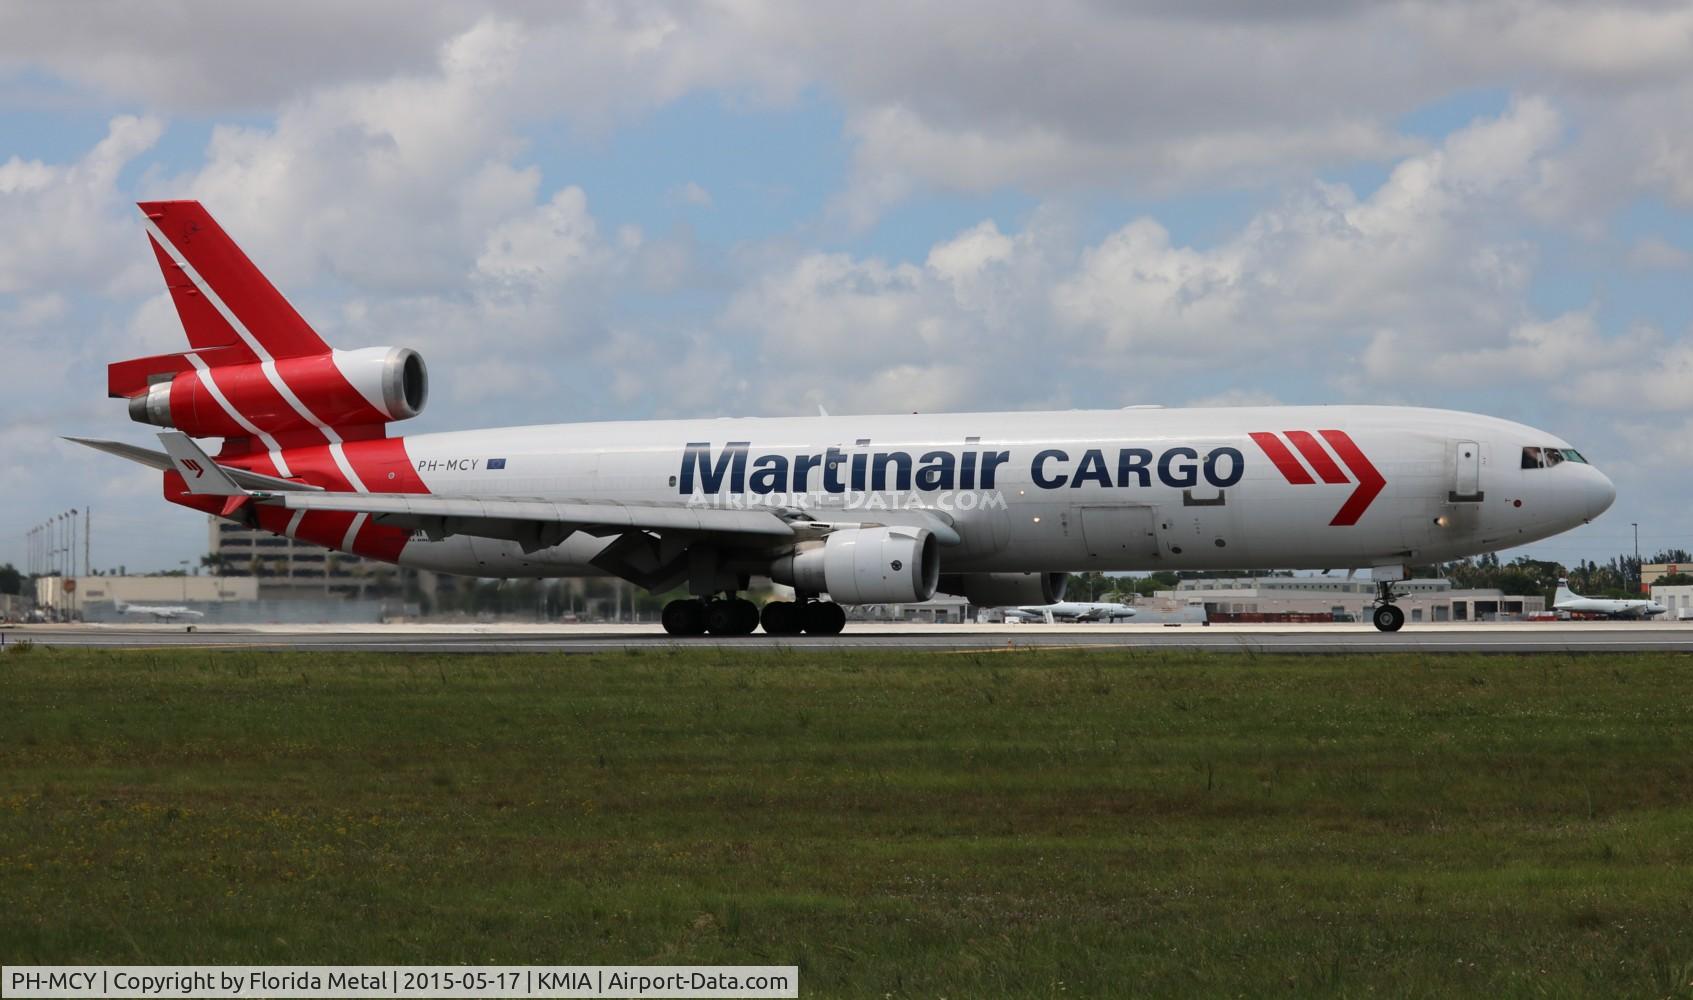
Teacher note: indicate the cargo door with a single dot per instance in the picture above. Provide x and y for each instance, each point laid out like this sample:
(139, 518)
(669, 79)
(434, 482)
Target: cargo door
(1466, 473)
(1119, 534)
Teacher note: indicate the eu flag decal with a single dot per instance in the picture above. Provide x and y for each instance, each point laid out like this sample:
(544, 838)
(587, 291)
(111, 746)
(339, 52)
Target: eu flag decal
(496, 463)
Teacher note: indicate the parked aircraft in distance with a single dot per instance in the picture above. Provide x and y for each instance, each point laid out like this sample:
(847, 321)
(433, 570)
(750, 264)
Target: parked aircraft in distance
(1072, 611)
(863, 509)
(160, 612)
(1569, 601)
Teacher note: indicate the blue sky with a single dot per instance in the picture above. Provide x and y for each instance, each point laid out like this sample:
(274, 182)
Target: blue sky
(587, 212)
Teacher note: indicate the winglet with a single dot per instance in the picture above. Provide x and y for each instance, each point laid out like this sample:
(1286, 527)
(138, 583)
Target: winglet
(198, 471)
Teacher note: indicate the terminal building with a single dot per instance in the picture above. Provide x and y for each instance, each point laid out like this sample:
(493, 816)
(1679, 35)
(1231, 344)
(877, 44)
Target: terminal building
(1348, 599)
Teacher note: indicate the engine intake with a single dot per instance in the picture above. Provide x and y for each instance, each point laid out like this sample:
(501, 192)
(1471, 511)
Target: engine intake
(885, 565)
(374, 385)
(1004, 590)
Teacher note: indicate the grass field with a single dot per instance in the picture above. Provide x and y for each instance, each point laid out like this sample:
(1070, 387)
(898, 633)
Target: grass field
(1043, 823)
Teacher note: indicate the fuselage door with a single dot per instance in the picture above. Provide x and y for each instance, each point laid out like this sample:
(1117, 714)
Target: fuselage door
(1466, 473)
(1117, 532)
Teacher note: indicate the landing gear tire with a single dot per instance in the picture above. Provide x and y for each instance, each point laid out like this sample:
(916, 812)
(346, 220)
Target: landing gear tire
(783, 618)
(685, 617)
(1388, 618)
(734, 616)
(746, 622)
(823, 618)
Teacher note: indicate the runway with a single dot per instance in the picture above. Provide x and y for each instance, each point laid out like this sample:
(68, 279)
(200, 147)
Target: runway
(1548, 637)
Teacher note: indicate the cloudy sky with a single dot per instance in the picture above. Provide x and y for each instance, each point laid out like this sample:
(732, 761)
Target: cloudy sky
(586, 211)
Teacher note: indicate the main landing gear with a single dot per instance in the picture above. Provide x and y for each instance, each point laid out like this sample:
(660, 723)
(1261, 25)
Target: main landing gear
(739, 616)
(1387, 616)
(794, 617)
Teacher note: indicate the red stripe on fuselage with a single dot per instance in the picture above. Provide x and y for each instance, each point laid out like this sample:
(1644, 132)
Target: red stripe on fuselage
(1283, 459)
(1320, 461)
(1370, 481)
(385, 467)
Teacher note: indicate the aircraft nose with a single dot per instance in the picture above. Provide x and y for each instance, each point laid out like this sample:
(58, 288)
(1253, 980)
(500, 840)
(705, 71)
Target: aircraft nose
(1600, 494)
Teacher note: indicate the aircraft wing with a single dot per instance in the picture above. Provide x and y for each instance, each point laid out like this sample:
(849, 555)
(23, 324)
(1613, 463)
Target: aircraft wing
(446, 515)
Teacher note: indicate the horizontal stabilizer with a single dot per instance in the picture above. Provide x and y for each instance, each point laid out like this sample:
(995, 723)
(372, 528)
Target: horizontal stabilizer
(198, 471)
(162, 461)
(133, 377)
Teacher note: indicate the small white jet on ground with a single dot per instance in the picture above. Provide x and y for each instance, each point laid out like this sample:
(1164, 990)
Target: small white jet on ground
(1568, 600)
(1072, 611)
(160, 612)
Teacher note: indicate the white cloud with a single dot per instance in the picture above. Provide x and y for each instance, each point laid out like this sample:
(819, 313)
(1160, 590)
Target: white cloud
(66, 227)
(1237, 397)
(1652, 253)
(385, 184)
(692, 193)
(1066, 96)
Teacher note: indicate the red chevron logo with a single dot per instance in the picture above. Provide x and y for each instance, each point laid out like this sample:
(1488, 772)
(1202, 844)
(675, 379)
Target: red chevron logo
(193, 465)
(1363, 471)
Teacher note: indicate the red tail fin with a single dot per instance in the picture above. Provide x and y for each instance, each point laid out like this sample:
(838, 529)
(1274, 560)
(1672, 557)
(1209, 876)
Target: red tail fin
(224, 301)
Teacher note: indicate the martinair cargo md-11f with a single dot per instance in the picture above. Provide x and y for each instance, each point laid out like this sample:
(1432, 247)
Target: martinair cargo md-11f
(996, 507)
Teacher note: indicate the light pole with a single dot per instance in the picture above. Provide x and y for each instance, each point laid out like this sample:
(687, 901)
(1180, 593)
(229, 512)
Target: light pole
(1639, 578)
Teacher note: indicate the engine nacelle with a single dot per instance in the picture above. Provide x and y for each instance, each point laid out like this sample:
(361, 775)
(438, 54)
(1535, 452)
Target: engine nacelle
(374, 385)
(891, 565)
(1005, 590)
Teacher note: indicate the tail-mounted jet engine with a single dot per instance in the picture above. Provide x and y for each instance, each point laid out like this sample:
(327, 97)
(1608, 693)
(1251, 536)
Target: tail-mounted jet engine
(373, 385)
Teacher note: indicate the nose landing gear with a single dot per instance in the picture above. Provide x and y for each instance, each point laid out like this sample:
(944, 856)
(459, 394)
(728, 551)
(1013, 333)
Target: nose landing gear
(1388, 617)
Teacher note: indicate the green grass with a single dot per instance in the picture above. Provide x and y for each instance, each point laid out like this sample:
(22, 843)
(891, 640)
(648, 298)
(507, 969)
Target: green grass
(1040, 823)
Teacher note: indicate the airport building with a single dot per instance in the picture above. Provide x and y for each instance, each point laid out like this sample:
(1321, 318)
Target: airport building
(1651, 573)
(1678, 601)
(96, 598)
(1422, 600)
(212, 599)
(287, 569)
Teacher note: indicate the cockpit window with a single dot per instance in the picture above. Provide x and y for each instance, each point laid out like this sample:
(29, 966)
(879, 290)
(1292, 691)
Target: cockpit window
(1545, 458)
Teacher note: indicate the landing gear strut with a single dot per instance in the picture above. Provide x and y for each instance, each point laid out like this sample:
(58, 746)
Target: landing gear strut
(1387, 616)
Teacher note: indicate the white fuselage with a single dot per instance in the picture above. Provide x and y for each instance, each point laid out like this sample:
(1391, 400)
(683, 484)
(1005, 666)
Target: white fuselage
(162, 613)
(1104, 611)
(1607, 606)
(1134, 489)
